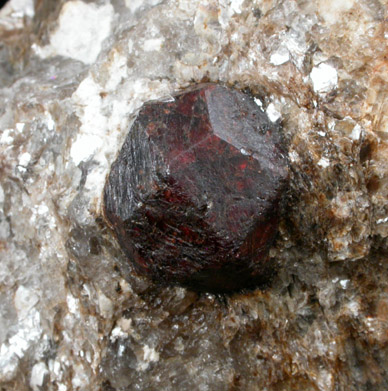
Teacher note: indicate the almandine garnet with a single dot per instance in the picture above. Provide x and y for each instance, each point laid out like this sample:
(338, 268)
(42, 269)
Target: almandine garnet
(195, 194)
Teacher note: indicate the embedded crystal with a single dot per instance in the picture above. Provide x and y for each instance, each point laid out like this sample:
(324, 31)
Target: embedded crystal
(195, 193)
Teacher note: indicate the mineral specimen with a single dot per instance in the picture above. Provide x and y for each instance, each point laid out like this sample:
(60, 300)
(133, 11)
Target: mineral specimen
(73, 314)
(195, 193)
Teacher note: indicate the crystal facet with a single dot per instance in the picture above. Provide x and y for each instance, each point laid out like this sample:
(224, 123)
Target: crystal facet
(195, 193)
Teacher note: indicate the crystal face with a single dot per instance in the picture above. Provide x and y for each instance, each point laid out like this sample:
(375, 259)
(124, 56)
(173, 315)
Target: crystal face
(195, 194)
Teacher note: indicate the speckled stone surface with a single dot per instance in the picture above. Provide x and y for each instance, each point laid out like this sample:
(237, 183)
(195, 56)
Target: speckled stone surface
(73, 314)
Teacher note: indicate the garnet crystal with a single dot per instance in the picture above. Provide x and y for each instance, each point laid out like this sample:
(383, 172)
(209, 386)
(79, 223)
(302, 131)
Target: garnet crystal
(195, 193)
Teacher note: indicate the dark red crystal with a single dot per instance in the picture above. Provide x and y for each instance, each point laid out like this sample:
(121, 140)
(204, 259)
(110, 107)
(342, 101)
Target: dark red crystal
(195, 193)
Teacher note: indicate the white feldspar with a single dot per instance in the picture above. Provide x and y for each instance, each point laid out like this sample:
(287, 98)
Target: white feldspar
(324, 78)
(153, 44)
(82, 29)
(324, 162)
(273, 113)
(18, 8)
(24, 159)
(382, 221)
(281, 56)
(94, 124)
(258, 102)
(24, 300)
(38, 373)
(80, 379)
(20, 126)
(117, 333)
(332, 10)
(356, 132)
(105, 304)
(6, 137)
(150, 355)
(344, 283)
(72, 304)
(9, 364)
(236, 6)
(29, 332)
(135, 5)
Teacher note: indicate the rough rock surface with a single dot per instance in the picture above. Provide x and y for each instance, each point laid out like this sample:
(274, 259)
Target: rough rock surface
(196, 192)
(73, 75)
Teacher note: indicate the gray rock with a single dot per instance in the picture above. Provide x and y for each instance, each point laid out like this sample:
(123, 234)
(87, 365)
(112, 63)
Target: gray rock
(73, 76)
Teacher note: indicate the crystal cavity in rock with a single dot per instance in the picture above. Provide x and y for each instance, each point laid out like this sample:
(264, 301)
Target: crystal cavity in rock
(195, 194)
